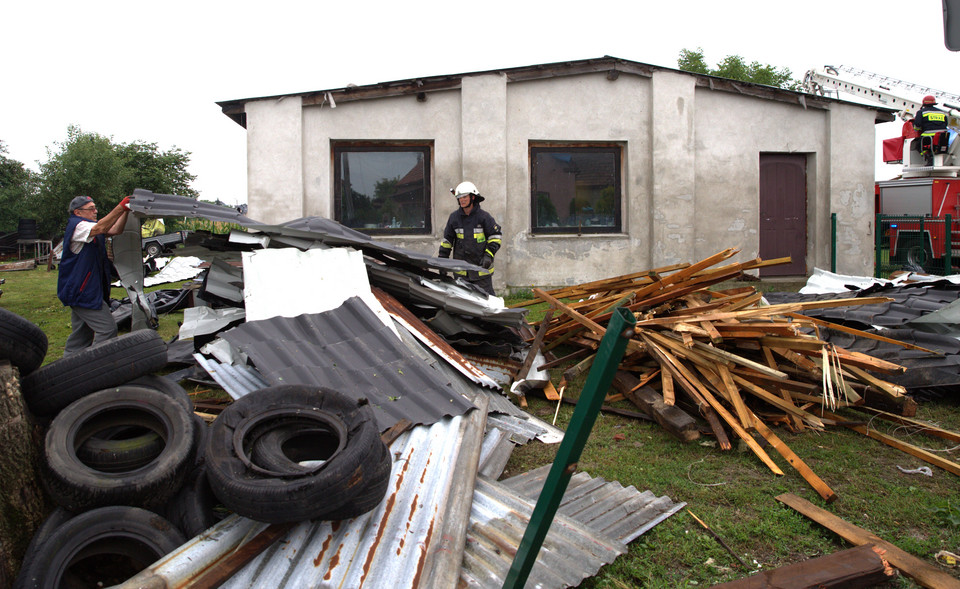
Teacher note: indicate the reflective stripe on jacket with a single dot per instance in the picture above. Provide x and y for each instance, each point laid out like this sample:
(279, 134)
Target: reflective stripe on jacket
(470, 237)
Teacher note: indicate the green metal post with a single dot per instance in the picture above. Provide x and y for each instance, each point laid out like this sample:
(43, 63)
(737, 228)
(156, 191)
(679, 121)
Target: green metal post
(878, 245)
(833, 242)
(948, 247)
(609, 354)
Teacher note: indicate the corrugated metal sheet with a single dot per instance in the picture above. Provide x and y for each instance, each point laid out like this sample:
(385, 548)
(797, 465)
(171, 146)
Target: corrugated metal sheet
(429, 338)
(349, 349)
(621, 512)
(237, 380)
(910, 302)
(575, 547)
(450, 297)
(169, 205)
(309, 230)
(410, 540)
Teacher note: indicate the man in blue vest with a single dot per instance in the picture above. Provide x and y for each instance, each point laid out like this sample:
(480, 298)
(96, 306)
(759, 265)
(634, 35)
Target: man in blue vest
(84, 280)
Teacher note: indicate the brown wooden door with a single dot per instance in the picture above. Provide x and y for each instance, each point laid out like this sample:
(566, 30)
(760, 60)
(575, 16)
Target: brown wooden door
(783, 212)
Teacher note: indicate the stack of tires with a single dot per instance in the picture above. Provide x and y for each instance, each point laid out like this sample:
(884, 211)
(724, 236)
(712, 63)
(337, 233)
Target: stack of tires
(119, 445)
(135, 472)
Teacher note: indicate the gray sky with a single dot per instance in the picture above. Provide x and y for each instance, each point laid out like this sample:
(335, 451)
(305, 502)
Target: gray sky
(153, 71)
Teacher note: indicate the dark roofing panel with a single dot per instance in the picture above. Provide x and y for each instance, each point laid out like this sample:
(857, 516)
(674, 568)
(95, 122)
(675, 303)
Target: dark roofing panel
(312, 229)
(351, 350)
(909, 302)
(172, 205)
(455, 299)
(924, 370)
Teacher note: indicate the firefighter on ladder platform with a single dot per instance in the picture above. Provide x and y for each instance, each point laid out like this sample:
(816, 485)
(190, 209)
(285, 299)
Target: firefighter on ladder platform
(931, 123)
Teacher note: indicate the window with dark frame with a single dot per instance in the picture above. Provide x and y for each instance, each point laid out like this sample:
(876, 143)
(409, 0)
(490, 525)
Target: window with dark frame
(575, 189)
(382, 188)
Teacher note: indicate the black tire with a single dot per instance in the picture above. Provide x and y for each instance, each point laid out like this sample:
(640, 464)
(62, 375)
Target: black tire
(21, 342)
(76, 486)
(153, 249)
(114, 362)
(285, 447)
(165, 385)
(128, 539)
(203, 437)
(372, 495)
(123, 450)
(51, 523)
(194, 508)
(278, 496)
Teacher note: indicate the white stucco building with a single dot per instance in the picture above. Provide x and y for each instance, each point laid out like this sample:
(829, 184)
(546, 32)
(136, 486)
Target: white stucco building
(593, 168)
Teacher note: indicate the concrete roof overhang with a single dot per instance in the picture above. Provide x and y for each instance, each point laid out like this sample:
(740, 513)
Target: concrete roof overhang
(613, 67)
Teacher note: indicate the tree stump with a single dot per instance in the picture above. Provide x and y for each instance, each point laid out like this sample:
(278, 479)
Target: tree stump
(22, 502)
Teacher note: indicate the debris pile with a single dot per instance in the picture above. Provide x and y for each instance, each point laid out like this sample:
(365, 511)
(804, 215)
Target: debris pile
(722, 355)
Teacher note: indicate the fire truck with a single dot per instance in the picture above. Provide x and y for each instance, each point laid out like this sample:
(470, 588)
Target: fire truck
(927, 189)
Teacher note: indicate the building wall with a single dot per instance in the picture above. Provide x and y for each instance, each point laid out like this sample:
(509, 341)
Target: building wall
(690, 169)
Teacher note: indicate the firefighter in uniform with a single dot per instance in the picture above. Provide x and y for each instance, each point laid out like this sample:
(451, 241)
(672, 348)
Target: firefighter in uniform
(929, 121)
(472, 235)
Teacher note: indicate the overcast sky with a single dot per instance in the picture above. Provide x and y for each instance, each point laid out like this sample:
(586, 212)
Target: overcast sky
(154, 71)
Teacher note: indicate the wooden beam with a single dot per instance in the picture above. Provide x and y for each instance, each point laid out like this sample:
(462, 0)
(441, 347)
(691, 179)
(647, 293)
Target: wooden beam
(921, 572)
(853, 568)
(674, 420)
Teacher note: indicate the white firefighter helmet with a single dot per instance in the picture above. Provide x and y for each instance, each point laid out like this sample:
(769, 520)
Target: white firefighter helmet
(465, 188)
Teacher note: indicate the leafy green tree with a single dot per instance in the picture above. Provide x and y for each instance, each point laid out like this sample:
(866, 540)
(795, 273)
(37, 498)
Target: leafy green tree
(734, 67)
(18, 186)
(93, 165)
(145, 166)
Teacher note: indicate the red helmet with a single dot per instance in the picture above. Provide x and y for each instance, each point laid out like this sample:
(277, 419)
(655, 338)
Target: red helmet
(928, 99)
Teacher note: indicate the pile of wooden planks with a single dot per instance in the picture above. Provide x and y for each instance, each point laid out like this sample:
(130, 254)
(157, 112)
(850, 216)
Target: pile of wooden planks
(720, 355)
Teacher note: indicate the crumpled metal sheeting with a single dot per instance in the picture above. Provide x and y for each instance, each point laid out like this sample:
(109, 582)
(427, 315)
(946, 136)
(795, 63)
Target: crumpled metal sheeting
(910, 302)
(621, 512)
(311, 229)
(153, 204)
(410, 289)
(223, 281)
(162, 301)
(570, 552)
(387, 547)
(237, 381)
(924, 370)
(349, 349)
(330, 232)
(401, 544)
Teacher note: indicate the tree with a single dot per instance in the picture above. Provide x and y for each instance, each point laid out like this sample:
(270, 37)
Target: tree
(93, 165)
(734, 67)
(147, 167)
(18, 187)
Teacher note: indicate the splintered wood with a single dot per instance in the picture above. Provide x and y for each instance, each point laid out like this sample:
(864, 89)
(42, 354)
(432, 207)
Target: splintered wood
(720, 355)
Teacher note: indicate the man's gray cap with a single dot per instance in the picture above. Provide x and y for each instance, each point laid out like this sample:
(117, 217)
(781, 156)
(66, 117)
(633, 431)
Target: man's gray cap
(77, 202)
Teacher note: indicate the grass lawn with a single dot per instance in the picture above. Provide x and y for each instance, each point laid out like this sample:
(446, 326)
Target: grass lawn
(731, 491)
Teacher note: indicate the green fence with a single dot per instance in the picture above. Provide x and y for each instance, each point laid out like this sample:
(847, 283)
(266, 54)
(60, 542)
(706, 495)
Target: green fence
(919, 244)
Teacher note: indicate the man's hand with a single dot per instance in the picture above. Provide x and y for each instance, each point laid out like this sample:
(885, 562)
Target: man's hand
(487, 261)
(125, 203)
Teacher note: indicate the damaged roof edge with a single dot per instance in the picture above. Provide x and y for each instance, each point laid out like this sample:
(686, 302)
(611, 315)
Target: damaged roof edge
(612, 66)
